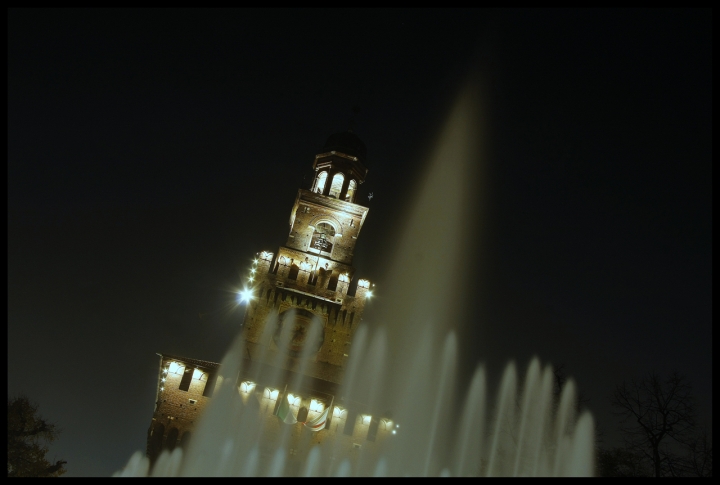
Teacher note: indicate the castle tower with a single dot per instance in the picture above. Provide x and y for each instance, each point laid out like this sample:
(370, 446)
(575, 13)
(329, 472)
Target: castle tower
(306, 283)
(297, 294)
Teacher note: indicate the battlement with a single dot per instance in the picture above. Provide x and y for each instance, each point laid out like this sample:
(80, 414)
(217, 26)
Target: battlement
(350, 424)
(313, 275)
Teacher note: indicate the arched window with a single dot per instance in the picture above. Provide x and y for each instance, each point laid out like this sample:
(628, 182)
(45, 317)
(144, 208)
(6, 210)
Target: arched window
(320, 182)
(322, 238)
(350, 196)
(336, 186)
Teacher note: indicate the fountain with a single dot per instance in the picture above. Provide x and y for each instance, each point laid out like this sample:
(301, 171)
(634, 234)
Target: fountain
(437, 428)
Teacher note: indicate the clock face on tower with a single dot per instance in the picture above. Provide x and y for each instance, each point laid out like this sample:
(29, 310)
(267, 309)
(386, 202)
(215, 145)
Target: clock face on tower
(299, 331)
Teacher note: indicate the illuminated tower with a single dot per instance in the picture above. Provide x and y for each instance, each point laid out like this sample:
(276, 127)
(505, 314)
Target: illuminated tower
(301, 291)
(306, 283)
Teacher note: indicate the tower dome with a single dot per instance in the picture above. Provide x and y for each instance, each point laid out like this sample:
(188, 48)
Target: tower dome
(348, 143)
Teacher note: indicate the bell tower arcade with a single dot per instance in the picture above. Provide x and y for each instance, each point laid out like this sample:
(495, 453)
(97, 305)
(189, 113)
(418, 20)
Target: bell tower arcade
(304, 287)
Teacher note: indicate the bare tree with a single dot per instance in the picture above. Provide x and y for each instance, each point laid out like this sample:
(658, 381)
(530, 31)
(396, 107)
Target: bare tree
(699, 461)
(656, 416)
(620, 462)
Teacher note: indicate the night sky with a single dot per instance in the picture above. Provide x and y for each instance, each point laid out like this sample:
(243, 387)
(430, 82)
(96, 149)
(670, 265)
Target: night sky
(152, 153)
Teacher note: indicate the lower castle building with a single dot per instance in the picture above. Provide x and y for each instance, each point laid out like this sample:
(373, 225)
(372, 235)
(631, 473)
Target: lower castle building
(300, 320)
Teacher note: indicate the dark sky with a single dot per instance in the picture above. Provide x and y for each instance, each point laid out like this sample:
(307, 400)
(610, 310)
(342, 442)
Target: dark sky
(152, 153)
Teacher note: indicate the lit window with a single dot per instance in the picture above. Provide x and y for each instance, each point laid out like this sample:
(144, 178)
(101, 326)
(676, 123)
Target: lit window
(271, 394)
(317, 406)
(294, 400)
(198, 374)
(247, 387)
(176, 368)
(364, 284)
(320, 182)
(336, 186)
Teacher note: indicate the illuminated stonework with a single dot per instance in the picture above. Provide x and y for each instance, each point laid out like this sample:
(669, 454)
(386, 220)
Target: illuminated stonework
(306, 292)
(313, 272)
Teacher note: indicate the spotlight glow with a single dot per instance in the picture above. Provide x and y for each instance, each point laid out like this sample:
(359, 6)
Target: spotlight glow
(245, 295)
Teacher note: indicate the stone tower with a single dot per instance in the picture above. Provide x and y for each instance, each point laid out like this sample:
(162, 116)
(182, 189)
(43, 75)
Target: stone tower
(297, 298)
(306, 283)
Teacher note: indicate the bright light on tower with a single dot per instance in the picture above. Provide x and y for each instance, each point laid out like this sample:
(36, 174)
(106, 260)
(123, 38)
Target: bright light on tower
(245, 295)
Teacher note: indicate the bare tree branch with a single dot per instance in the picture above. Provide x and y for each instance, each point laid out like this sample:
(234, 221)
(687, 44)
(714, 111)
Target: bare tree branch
(653, 410)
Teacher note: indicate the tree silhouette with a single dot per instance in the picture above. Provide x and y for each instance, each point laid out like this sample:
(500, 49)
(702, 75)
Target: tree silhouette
(28, 437)
(699, 462)
(620, 462)
(658, 417)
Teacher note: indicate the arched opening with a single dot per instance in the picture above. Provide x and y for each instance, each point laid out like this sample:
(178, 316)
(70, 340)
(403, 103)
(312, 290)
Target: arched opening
(320, 182)
(350, 195)
(172, 438)
(294, 270)
(336, 186)
(322, 237)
